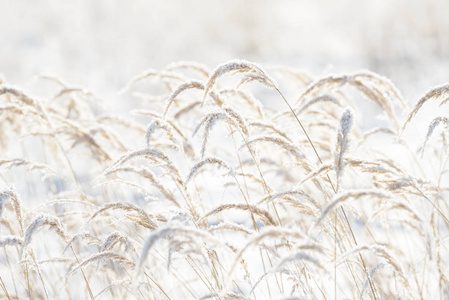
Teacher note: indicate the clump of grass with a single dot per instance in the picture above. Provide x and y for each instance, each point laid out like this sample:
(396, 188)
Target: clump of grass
(210, 194)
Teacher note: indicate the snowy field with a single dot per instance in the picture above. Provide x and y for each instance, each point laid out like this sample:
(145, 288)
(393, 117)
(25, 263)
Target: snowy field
(224, 149)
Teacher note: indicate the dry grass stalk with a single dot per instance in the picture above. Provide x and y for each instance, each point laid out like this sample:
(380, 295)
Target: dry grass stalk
(363, 77)
(31, 166)
(258, 77)
(342, 147)
(226, 226)
(323, 170)
(300, 194)
(370, 276)
(154, 73)
(82, 135)
(342, 197)
(301, 255)
(147, 174)
(302, 76)
(106, 255)
(194, 84)
(289, 147)
(19, 109)
(319, 99)
(172, 232)
(185, 110)
(18, 94)
(375, 131)
(238, 119)
(247, 97)
(376, 88)
(235, 67)
(263, 214)
(83, 91)
(128, 208)
(116, 238)
(435, 93)
(11, 240)
(150, 153)
(16, 203)
(208, 121)
(435, 122)
(166, 127)
(268, 232)
(267, 126)
(373, 167)
(90, 240)
(382, 252)
(207, 161)
(402, 207)
(43, 220)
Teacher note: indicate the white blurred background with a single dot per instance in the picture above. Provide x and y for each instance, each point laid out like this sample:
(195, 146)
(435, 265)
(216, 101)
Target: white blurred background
(102, 44)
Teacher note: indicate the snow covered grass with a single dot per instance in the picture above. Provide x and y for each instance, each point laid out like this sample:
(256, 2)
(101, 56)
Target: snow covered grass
(236, 183)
